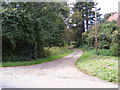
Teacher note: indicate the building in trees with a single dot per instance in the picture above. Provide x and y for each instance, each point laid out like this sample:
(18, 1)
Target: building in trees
(118, 20)
(114, 17)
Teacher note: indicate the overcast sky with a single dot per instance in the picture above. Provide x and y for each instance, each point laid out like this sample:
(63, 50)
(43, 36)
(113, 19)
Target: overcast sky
(107, 6)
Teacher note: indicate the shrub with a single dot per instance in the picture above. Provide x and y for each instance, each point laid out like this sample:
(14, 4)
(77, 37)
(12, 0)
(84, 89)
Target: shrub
(55, 50)
(103, 52)
(115, 43)
(108, 39)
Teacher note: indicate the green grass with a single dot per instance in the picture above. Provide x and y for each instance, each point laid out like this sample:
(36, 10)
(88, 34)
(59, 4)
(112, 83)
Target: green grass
(104, 67)
(37, 61)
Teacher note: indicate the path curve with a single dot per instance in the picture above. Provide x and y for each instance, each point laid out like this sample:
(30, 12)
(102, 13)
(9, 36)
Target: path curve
(60, 73)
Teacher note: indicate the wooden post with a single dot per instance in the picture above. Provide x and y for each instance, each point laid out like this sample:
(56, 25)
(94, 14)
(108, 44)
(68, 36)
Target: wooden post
(96, 31)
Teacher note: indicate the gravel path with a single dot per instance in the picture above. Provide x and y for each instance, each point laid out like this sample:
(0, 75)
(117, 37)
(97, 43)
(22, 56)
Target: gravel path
(60, 73)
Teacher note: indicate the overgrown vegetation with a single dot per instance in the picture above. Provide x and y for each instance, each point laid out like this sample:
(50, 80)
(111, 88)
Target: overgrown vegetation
(82, 18)
(28, 27)
(103, 62)
(108, 38)
(102, 66)
(52, 54)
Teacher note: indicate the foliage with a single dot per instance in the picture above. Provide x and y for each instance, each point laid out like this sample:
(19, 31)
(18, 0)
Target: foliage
(88, 13)
(55, 50)
(82, 19)
(103, 52)
(68, 36)
(108, 37)
(104, 67)
(115, 43)
(89, 38)
(29, 27)
(78, 21)
(55, 55)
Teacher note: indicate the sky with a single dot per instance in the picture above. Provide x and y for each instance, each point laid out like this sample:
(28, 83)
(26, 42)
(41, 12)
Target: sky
(107, 6)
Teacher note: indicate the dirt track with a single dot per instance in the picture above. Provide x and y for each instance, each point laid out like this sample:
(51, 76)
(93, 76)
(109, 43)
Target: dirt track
(60, 73)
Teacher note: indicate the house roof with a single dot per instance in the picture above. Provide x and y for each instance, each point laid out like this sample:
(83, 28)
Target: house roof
(113, 16)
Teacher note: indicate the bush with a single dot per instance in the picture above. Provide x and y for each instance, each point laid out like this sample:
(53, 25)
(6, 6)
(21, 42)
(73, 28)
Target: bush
(55, 51)
(24, 35)
(115, 43)
(104, 41)
(108, 39)
(115, 50)
(103, 52)
(89, 39)
(100, 52)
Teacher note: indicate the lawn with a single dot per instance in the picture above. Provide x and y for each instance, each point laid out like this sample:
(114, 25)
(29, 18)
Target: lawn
(104, 67)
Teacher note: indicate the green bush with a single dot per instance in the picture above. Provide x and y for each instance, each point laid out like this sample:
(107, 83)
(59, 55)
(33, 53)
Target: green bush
(115, 50)
(108, 39)
(89, 38)
(104, 41)
(100, 52)
(27, 29)
(55, 50)
(115, 43)
(103, 52)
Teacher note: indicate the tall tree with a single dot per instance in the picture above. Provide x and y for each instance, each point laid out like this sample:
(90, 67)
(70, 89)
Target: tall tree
(28, 27)
(88, 17)
(88, 13)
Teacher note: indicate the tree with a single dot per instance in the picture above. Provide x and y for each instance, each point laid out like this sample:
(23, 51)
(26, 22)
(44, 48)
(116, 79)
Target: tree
(87, 15)
(108, 37)
(77, 22)
(29, 27)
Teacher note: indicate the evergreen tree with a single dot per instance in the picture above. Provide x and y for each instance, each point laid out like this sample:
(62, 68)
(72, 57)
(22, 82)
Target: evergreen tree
(88, 13)
(88, 17)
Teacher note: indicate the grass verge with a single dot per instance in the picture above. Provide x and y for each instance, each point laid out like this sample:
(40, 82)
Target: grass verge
(104, 67)
(37, 61)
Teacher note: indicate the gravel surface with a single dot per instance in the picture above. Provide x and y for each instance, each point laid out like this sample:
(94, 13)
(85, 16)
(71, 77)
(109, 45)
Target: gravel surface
(60, 73)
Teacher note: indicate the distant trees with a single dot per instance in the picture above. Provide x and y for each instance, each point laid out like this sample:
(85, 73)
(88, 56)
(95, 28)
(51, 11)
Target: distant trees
(29, 27)
(87, 18)
(77, 20)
